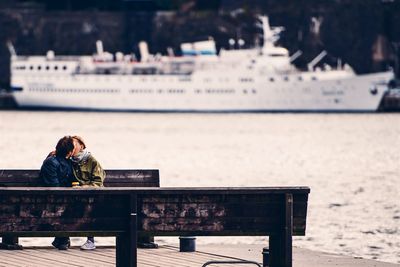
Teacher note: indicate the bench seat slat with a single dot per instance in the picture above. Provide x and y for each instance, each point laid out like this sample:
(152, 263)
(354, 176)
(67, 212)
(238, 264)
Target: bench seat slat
(114, 178)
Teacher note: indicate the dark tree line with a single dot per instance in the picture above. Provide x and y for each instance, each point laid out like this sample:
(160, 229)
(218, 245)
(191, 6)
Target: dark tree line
(362, 33)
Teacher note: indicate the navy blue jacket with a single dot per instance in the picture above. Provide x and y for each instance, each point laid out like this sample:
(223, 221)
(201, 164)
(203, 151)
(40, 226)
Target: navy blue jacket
(56, 171)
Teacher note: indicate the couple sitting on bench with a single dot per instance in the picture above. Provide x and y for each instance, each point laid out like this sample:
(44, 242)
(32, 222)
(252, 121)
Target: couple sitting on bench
(71, 164)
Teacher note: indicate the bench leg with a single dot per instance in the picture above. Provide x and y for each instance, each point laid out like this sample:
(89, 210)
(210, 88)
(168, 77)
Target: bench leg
(10, 243)
(126, 249)
(145, 241)
(280, 245)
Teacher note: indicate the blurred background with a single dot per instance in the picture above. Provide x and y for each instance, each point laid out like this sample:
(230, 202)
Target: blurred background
(362, 33)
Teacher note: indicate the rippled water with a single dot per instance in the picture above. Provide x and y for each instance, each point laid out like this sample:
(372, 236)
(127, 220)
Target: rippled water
(350, 161)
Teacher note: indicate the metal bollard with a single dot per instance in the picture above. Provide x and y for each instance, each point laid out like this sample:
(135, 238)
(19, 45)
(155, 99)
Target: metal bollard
(187, 243)
(265, 257)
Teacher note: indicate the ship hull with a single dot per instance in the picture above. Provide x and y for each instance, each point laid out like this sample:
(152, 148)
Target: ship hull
(362, 93)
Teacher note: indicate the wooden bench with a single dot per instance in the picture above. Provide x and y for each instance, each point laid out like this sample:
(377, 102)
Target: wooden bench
(125, 213)
(114, 178)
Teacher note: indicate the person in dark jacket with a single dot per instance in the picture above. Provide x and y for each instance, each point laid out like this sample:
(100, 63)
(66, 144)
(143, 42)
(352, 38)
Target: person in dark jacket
(57, 171)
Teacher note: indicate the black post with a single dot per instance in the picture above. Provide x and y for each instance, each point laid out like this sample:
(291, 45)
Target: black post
(265, 254)
(126, 250)
(280, 245)
(133, 230)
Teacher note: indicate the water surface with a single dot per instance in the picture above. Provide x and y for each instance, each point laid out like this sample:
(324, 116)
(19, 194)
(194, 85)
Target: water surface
(350, 161)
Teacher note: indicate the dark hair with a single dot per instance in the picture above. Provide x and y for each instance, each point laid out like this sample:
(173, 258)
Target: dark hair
(64, 146)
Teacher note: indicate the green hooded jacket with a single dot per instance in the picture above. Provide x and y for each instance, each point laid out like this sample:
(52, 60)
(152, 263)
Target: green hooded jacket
(89, 172)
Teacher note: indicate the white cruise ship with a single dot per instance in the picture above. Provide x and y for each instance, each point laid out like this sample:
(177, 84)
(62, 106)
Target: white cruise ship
(258, 79)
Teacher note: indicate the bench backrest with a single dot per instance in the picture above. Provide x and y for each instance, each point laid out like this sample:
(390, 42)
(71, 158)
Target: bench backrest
(227, 212)
(160, 211)
(114, 178)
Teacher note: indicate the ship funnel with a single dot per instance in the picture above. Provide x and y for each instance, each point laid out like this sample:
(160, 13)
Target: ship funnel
(119, 56)
(170, 52)
(144, 51)
(99, 47)
(50, 55)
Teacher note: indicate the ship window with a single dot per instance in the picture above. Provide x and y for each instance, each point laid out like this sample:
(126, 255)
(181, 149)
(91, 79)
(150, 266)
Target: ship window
(245, 91)
(313, 78)
(64, 67)
(31, 67)
(254, 91)
(47, 67)
(271, 79)
(300, 78)
(286, 78)
(276, 55)
(246, 80)
(39, 67)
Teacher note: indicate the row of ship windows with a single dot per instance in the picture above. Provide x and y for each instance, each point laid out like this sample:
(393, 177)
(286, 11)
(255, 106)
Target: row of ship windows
(197, 91)
(286, 79)
(140, 91)
(159, 91)
(70, 90)
(40, 67)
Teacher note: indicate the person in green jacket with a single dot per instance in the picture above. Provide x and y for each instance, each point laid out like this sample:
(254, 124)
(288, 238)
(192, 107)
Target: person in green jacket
(88, 172)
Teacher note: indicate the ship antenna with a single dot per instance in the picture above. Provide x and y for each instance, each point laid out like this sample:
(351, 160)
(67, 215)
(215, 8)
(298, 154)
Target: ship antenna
(339, 64)
(295, 55)
(11, 49)
(316, 60)
(99, 47)
(270, 35)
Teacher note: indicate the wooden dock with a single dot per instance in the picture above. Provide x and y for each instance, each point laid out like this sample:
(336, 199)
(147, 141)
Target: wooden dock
(165, 256)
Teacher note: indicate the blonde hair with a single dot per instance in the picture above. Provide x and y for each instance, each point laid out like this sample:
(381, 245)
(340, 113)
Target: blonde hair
(80, 140)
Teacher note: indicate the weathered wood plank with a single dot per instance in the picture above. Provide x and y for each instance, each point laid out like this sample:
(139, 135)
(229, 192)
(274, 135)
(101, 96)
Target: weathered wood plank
(54, 259)
(92, 258)
(165, 256)
(20, 258)
(159, 191)
(114, 178)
